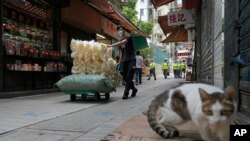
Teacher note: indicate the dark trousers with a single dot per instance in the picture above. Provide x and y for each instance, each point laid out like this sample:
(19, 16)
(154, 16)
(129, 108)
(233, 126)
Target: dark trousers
(165, 73)
(178, 73)
(175, 73)
(138, 73)
(128, 75)
(152, 72)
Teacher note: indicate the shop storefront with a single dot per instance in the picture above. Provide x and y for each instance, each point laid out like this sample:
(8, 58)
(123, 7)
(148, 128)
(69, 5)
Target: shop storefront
(30, 55)
(36, 36)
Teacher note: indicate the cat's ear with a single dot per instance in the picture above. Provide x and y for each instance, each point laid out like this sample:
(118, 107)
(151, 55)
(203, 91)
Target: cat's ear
(203, 94)
(230, 93)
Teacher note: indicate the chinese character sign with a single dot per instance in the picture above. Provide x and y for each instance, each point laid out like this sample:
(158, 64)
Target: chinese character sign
(180, 17)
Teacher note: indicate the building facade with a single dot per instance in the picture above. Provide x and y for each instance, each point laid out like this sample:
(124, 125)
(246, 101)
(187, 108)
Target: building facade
(144, 10)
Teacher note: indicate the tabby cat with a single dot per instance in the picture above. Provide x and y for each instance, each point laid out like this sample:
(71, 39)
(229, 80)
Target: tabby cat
(207, 106)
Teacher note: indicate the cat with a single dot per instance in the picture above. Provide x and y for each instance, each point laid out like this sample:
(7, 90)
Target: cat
(209, 107)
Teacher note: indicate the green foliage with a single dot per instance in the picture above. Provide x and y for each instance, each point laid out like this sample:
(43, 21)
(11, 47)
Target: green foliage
(146, 52)
(130, 14)
(146, 26)
(129, 11)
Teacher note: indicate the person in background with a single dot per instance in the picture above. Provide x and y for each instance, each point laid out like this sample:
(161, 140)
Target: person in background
(175, 68)
(128, 61)
(138, 69)
(165, 68)
(178, 69)
(183, 68)
(152, 70)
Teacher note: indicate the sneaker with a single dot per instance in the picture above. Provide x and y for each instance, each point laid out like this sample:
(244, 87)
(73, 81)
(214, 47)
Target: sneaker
(125, 97)
(134, 92)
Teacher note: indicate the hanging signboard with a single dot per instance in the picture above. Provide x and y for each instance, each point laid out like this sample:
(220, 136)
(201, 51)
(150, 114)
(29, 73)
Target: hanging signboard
(181, 17)
(109, 28)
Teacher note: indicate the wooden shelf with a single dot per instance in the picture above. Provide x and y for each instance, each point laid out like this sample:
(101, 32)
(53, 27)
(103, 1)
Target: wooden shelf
(36, 71)
(16, 57)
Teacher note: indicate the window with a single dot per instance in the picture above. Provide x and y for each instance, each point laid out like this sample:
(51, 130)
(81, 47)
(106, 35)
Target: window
(159, 12)
(149, 2)
(142, 12)
(150, 15)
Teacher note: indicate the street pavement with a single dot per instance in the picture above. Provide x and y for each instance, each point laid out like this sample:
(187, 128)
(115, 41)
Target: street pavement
(53, 117)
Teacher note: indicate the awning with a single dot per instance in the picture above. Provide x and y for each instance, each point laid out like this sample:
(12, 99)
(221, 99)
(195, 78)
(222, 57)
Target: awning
(158, 3)
(106, 8)
(177, 35)
(82, 16)
(190, 4)
(32, 8)
(163, 21)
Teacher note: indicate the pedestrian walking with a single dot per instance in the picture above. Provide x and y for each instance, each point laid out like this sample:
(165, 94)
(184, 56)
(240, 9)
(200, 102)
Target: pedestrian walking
(128, 61)
(138, 69)
(175, 68)
(152, 70)
(183, 68)
(179, 69)
(165, 68)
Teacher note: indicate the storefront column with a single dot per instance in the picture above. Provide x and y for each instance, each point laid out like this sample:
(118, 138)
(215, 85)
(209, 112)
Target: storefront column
(1, 52)
(56, 28)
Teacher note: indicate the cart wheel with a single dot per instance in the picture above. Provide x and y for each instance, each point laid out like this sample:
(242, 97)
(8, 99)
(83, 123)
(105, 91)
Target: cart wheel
(107, 96)
(97, 97)
(84, 96)
(73, 97)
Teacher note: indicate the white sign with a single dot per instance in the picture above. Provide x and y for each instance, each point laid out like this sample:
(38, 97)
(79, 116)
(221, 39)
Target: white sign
(181, 17)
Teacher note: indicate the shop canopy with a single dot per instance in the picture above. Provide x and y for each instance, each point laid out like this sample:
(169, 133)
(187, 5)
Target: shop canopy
(190, 4)
(187, 4)
(158, 3)
(179, 34)
(106, 8)
(38, 8)
(175, 33)
(163, 21)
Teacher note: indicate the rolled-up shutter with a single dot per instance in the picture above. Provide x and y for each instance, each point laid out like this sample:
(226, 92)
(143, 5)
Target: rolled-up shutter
(244, 50)
(206, 50)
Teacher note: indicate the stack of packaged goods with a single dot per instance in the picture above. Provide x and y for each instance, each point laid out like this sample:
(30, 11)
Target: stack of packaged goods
(91, 57)
(92, 61)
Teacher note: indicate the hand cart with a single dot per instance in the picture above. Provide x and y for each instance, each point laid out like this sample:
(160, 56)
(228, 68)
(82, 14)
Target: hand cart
(87, 93)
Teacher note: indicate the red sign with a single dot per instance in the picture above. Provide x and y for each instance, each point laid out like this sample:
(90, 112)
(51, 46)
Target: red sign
(109, 28)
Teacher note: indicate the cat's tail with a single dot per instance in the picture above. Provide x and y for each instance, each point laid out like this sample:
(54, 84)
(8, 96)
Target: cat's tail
(164, 131)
